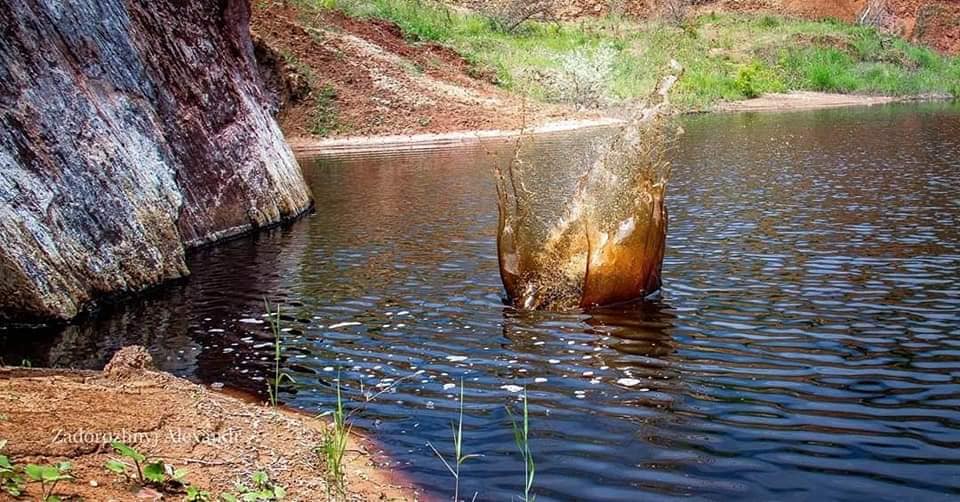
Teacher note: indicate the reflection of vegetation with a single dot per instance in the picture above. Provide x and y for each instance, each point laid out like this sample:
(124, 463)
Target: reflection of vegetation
(719, 51)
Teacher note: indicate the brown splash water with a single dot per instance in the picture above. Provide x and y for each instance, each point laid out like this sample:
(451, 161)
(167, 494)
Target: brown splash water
(567, 239)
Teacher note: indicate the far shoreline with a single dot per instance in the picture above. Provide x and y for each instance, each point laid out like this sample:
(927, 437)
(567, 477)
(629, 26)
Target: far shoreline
(309, 147)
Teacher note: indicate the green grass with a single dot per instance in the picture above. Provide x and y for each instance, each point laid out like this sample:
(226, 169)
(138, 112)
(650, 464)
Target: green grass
(334, 447)
(326, 118)
(459, 457)
(727, 56)
(521, 436)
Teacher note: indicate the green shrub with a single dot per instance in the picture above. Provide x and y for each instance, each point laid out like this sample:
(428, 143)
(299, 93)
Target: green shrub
(756, 79)
(822, 69)
(923, 57)
(829, 56)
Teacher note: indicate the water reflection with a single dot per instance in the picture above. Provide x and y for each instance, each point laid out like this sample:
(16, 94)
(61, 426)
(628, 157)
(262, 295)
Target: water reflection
(806, 343)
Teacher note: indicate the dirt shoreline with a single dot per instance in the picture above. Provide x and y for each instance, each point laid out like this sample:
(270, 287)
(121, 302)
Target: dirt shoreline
(310, 147)
(307, 147)
(49, 416)
(805, 100)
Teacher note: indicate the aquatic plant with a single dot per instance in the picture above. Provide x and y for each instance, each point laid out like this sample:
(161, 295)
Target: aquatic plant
(592, 231)
(521, 436)
(458, 456)
(48, 476)
(334, 446)
(273, 385)
(138, 468)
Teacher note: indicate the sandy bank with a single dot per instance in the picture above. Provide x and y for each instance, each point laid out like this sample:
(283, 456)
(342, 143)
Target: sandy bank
(802, 100)
(49, 416)
(794, 101)
(308, 147)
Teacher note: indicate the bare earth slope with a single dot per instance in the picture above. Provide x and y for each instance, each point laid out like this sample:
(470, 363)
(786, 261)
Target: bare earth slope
(52, 416)
(378, 82)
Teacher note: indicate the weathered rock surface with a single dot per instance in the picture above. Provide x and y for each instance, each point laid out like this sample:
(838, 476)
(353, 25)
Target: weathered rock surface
(129, 132)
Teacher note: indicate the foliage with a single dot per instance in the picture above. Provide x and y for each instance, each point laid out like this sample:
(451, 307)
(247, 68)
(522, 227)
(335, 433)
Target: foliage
(195, 494)
(583, 77)
(137, 467)
(48, 476)
(325, 115)
(273, 385)
(769, 22)
(718, 51)
(521, 436)
(334, 447)
(459, 457)
(11, 480)
(756, 79)
(261, 488)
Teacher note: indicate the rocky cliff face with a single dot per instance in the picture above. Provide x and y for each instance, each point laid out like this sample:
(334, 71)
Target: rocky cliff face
(129, 132)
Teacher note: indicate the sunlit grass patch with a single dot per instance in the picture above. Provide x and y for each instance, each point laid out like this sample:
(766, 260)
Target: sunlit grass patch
(728, 56)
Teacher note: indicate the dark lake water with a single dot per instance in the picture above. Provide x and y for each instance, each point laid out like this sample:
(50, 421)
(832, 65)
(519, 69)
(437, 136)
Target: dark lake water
(806, 344)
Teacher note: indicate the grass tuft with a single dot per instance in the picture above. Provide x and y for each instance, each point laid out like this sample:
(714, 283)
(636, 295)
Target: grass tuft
(521, 436)
(459, 457)
(273, 385)
(334, 447)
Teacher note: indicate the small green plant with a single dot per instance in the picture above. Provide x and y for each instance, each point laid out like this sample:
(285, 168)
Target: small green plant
(458, 456)
(325, 116)
(755, 79)
(261, 488)
(142, 470)
(521, 436)
(195, 494)
(273, 385)
(48, 476)
(334, 446)
(11, 481)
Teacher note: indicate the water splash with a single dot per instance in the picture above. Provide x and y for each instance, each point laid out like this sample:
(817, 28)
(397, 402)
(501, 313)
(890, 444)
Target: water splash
(593, 231)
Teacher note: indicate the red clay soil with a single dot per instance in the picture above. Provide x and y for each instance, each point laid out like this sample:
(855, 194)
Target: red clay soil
(932, 22)
(49, 416)
(935, 23)
(383, 84)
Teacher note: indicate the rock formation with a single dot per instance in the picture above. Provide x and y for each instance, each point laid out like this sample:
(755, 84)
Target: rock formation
(130, 131)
